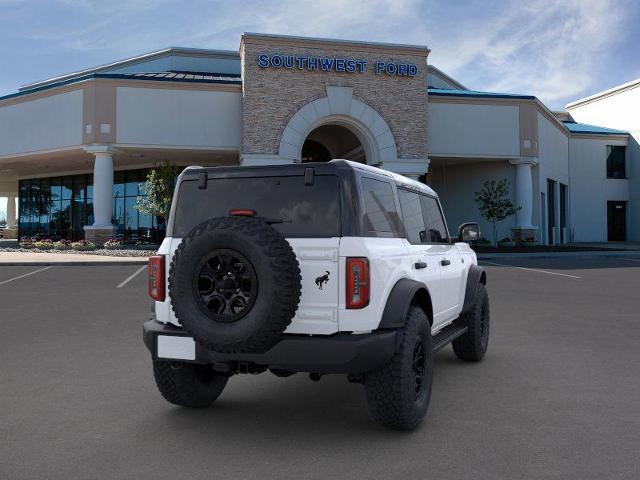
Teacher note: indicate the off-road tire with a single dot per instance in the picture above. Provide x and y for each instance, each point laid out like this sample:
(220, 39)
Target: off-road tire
(472, 346)
(391, 393)
(278, 284)
(188, 384)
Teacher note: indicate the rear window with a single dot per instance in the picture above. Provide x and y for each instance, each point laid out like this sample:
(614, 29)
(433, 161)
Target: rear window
(305, 210)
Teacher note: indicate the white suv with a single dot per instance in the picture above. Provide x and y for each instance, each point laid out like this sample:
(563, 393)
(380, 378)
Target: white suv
(323, 268)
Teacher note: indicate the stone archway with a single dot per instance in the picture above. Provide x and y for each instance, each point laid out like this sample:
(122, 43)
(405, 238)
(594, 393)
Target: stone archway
(341, 109)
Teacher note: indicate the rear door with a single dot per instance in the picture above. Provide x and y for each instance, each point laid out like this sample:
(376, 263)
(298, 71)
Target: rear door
(445, 253)
(425, 261)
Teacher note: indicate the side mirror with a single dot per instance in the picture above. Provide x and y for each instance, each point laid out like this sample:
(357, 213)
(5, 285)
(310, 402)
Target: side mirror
(469, 232)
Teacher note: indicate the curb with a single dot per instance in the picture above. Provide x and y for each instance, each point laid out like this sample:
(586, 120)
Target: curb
(595, 253)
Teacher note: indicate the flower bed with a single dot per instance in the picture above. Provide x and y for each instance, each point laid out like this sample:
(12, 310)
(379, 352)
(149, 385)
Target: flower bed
(113, 247)
(104, 252)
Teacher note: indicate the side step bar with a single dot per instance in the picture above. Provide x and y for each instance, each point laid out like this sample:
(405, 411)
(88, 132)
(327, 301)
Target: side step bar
(447, 335)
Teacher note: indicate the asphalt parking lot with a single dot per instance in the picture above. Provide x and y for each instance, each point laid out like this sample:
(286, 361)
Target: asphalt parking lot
(556, 397)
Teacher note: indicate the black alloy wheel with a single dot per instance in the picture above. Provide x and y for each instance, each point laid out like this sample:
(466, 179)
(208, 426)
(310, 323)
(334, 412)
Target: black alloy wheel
(225, 285)
(418, 367)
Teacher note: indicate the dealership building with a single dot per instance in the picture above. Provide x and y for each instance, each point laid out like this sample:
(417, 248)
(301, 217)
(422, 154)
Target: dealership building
(75, 149)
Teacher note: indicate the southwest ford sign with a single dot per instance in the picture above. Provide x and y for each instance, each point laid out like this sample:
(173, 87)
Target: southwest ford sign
(335, 64)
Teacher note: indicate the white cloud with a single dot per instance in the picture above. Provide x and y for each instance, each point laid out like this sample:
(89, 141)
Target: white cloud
(546, 48)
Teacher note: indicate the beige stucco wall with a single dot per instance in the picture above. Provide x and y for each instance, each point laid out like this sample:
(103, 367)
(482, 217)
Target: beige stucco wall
(54, 121)
(178, 117)
(468, 129)
(272, 96)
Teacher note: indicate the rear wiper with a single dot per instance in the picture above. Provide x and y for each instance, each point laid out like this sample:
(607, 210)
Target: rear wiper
(246, 212)
(272, 221)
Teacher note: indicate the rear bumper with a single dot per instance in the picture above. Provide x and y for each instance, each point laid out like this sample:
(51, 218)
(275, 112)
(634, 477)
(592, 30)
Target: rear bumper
(339, 353)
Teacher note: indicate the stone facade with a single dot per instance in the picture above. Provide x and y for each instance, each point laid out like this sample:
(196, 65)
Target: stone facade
(271, 96)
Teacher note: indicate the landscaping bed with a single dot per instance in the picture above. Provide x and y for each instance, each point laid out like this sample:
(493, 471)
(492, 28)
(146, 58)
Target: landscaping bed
(112, 248)
(100, 251)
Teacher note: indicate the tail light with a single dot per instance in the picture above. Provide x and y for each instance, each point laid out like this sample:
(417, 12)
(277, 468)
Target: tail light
(156, 277)
(357, 282)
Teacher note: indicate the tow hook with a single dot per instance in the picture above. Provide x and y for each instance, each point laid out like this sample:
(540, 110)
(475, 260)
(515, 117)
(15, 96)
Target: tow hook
(315, 377)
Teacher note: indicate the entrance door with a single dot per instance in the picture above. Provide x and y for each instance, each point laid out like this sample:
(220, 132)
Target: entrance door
(563, 212)
(551, 211)
(543, 222)
(617, 221)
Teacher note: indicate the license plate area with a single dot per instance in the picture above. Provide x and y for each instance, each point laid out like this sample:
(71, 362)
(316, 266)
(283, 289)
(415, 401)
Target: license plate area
(175, 347)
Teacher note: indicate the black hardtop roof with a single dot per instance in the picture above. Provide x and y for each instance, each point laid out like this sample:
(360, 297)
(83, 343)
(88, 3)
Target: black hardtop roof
(342, 168)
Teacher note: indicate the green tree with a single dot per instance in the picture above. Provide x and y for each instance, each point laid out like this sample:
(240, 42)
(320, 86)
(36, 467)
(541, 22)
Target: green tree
(494, 203)
(161, 182)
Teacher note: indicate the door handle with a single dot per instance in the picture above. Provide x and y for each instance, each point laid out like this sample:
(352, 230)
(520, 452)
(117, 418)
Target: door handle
(445, 262)
(419, 265)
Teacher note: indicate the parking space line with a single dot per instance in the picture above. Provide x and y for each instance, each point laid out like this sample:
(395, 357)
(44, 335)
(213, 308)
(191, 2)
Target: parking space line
(25, 275)
(131, 277)
(531, 269)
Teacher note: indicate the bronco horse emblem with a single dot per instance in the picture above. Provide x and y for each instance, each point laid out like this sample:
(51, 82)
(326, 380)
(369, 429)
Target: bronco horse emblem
(322, 279)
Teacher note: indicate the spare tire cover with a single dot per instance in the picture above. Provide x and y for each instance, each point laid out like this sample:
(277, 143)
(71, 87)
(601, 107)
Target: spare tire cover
(234, 284)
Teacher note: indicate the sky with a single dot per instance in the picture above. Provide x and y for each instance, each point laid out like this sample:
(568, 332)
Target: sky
(557, 50)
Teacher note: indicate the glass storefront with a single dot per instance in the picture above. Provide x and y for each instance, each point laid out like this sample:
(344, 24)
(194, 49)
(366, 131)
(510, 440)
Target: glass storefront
(59, 207)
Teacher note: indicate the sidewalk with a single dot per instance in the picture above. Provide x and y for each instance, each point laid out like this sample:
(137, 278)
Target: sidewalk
(32, 258)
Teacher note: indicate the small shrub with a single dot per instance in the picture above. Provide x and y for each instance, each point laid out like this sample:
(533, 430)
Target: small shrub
(146, 246)
(83, 245)
(113, 244)
(507, 242)
(62, 245)
(46, 244)
(482, 242)
(26, 242)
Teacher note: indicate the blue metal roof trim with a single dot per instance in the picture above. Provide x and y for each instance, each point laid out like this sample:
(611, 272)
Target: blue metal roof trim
(226, 79)
(444, 92)
(585, 128)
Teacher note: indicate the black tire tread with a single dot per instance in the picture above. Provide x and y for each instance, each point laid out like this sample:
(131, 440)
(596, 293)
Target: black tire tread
(468, 347)
(391, 402)
(182, 387)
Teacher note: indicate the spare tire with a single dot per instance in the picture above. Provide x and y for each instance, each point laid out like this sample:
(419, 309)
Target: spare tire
(235, 284)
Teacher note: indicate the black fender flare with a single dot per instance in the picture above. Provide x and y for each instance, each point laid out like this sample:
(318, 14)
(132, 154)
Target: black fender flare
(475, 276)
(399, 300)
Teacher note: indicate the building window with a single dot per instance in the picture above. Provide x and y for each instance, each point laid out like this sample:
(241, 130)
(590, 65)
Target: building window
(60, 207)
(616, 161)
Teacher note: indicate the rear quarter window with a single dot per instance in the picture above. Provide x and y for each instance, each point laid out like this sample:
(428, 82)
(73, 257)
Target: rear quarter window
(304, 210)
(380, 211)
